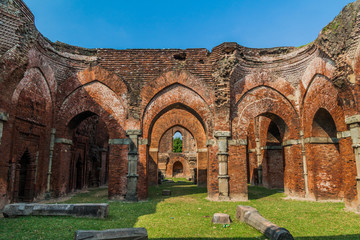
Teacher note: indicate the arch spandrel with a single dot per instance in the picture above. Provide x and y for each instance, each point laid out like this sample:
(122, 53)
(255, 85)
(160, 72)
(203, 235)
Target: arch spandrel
(184, 78)
(33, 77)
(256, 80)
(36, 60)
(94, 75)
(318, 66)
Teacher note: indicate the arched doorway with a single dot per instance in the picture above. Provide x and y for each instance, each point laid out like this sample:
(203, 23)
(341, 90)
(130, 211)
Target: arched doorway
(174, 123)
(89, 152)
(266, 157)
(178, 169)
(324, 159)
(273, 160)
(25, 178)
(177, 144)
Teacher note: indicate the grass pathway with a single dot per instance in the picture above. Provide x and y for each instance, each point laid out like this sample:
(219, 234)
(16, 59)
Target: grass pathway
(187, 215)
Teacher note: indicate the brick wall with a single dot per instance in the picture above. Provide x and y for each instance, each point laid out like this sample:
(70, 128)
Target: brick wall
(231, 88)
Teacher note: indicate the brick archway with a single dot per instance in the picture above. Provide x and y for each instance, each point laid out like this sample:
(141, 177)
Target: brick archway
(327, 153)
(31, 118)
(185, 119)
(177, 96)
(265, 102)
(89, 100)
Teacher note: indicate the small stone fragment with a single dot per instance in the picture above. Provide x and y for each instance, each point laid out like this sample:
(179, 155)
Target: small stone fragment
(221, 218)
(166, 192)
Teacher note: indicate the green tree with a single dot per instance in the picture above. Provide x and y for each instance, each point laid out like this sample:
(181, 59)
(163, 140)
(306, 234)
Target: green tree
(177, 145)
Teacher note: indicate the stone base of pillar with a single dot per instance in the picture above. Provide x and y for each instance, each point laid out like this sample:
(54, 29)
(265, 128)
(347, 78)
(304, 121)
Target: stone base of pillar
(131, 194)
(224, 198)
(239, 197)
(48, 195)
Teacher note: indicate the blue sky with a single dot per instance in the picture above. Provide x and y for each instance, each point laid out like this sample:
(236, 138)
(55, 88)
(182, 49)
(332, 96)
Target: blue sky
(183, 24)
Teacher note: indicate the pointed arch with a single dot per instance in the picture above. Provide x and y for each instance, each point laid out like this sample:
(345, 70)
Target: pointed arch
(256, 80)
(177, 96)
(264, 100)
(37, 60)
(97, 98)
(321, 93)
(34, 77)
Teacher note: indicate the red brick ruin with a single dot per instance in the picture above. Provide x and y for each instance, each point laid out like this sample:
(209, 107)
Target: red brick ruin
(72, 118)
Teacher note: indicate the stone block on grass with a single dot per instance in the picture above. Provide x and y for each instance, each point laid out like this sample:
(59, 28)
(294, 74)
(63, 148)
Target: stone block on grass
(113, 234)
(76, 210)
(166, 192)
(221, 218)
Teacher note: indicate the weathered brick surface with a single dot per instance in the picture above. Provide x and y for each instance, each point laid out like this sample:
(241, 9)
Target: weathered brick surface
(272, 101)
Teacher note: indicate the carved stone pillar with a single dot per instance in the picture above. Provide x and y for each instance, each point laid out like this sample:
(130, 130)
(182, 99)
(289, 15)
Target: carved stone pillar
(259, 160)
(52, 143)
(132, 176)
(222, 155)
(354, 124)
(305, 171)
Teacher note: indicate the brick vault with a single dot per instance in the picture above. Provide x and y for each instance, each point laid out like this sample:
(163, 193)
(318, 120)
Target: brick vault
(72, 118)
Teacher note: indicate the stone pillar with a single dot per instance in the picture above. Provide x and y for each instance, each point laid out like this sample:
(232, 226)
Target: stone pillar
(305, 171)
(52, 143)
(354, 124)
(154, 166)
(222, 155)
(132, 176)
(258, 160)
(4, 117)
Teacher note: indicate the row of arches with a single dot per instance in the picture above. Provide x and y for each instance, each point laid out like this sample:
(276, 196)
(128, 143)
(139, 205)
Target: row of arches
(290, 144)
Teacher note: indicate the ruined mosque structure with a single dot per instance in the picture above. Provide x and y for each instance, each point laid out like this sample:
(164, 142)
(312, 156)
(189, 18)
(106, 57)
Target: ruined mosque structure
(72, 118)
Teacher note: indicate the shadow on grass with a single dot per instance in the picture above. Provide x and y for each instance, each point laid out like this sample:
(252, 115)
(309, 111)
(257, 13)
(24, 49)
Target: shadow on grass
(122, 215)
(257, 192)
(178, 188)
(340, 237)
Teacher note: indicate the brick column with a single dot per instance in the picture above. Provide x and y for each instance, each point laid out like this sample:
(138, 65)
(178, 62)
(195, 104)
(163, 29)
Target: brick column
(132, 176)
(222, 155)
(354, 124)
(4, 117)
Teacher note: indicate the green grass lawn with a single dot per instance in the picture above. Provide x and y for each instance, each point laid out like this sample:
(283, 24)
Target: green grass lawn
(187, 215)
